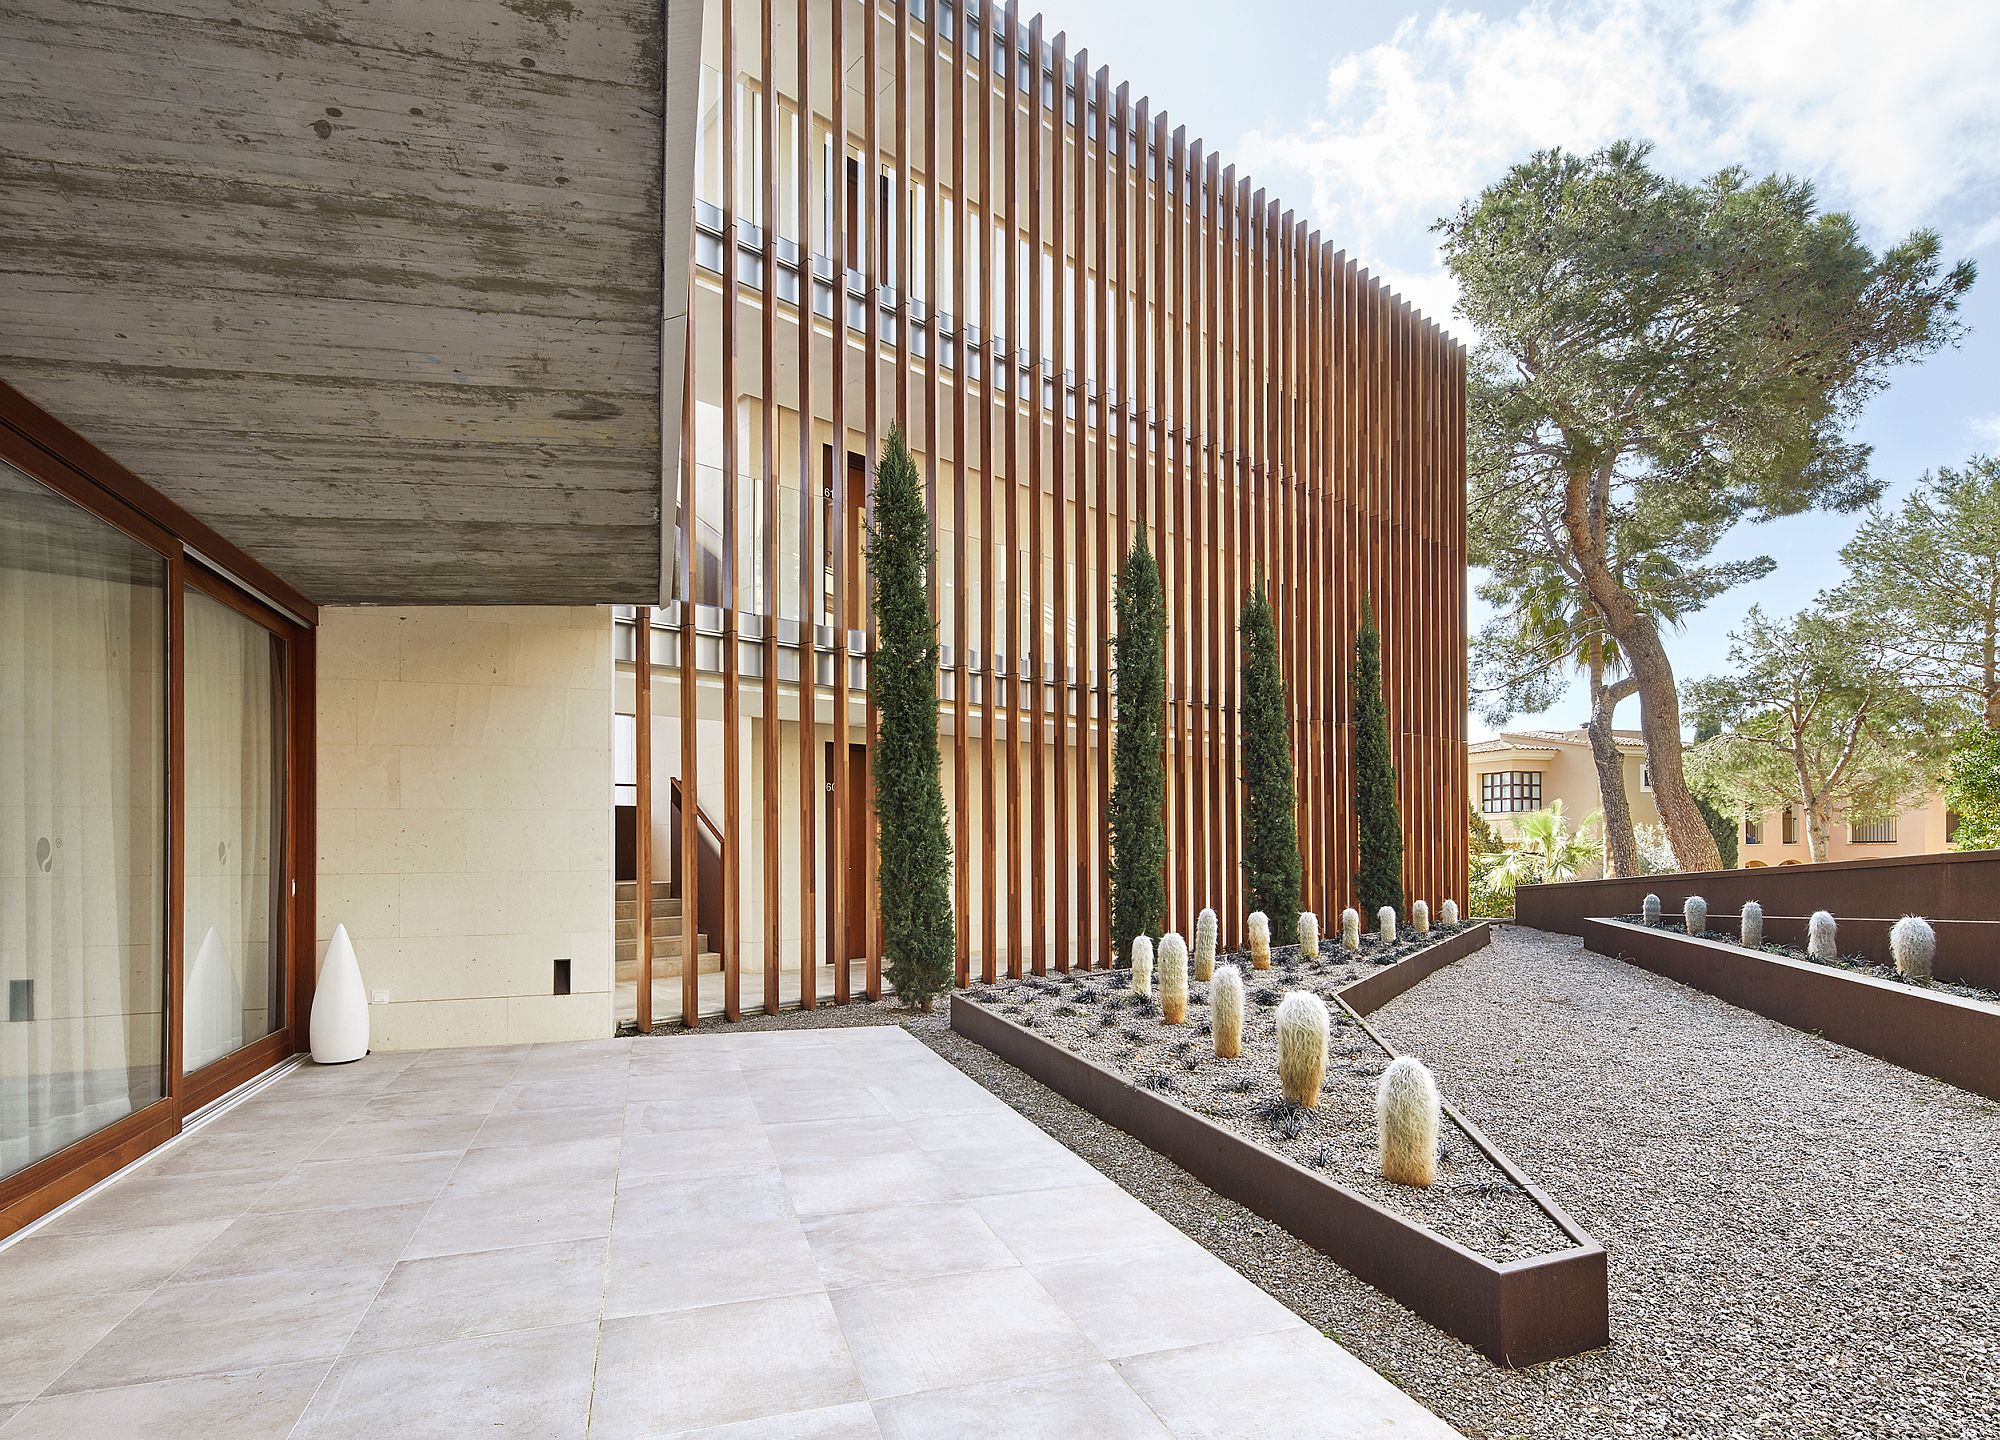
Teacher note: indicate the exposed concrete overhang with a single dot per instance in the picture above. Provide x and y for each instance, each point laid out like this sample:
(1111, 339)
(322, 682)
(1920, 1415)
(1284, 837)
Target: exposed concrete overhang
(373, 288)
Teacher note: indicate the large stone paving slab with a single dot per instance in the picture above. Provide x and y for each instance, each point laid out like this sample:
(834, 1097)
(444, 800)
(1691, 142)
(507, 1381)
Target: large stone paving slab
(782, 1234)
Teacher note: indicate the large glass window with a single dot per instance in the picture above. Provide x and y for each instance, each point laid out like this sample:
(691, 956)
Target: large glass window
(82, 822)
(235, 824)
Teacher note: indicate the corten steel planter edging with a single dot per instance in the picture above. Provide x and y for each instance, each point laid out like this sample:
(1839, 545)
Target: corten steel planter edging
(1968, 951)
(1944, 1036)
(1958, 885)
(1370, 993)
(1516, 1312)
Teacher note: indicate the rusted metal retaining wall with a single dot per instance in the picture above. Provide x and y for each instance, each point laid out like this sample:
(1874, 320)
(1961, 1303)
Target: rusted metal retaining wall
(1934, 1034)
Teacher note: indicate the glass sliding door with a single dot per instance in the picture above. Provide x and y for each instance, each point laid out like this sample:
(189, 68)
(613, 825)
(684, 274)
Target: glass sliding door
(83, 822)
(232, 908)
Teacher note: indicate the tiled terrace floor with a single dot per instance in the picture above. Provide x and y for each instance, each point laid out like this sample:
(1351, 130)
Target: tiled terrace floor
(799, 1234)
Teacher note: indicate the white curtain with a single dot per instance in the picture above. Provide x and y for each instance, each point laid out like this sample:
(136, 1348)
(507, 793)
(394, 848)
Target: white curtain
(82, 822)
(231, 947)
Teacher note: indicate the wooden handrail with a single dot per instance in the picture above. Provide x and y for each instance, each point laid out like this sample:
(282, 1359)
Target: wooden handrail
(700, 814)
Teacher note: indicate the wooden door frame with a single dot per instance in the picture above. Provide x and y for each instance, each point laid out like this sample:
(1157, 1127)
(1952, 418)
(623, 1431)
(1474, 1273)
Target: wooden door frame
(196, 556)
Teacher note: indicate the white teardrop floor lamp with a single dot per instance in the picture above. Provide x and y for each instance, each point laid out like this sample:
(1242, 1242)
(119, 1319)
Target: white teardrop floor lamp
(340, 1005)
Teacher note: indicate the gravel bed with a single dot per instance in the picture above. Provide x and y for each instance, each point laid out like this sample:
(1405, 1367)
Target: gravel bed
(1860, 963)
(1096, 1015)
(1802, 1238)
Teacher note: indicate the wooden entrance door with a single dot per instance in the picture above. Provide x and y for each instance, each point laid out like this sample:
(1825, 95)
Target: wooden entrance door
(854, 850)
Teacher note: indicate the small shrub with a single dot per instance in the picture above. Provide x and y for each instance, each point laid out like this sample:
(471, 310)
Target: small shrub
(1822, 942)
(1285, 1116)
(1173, 979)
(1204, 946)
(1406, 1122)
(1649, 910)
(1260, 940)
(1157, 1080)
(1225, 998)
(1308, 935)
(1350, 928)
(1694, 915)
(1448, 913)
(1142, 966)
(1302, 1034)
(1420, 917)
(1385, 924)
(1753, 925)
(1913, 943)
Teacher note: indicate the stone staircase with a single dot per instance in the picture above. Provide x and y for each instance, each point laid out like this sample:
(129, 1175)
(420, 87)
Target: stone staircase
(666, 936)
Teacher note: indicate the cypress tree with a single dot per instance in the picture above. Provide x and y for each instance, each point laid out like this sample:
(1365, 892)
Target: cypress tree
(1138, 772)
(915, 854)
(1378, 878)
(1271, 865)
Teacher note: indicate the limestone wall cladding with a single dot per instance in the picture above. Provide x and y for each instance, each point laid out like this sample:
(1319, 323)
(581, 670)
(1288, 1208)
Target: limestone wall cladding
(465, 772)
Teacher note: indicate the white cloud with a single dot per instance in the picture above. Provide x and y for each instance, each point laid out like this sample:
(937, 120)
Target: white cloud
(1986, 432)
(1891, 109)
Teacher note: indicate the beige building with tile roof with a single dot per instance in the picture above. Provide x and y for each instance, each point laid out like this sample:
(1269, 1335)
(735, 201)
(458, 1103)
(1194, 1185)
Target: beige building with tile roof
(1520, 771)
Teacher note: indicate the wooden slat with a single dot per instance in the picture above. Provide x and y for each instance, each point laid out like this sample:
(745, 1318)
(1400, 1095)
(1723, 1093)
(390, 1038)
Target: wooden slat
(835, 478)
(642, 820)
(1089, 844)
(691, 995)
(732, 1000)
(988, 362)
(1008, 376)
(1062, 939)
(1035, 651)
(872, 262)
(1102, 497)
(961, 520)
(812, 567)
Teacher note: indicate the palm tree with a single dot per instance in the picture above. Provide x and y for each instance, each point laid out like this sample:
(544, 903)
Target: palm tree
(1546, 850)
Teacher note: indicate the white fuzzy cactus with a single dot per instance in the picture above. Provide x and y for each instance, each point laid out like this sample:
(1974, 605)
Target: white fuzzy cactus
(1308, 935)
(1173, 979)
(1649, 909)
(1302, 1027)
(1406, 1122)
(1448, 913)
(1420, 917)
(1914, 944)
(1350, 928)
(1142, 966)
(1225, 999)
(1385, 924)
(1204, 946)
(1694, 914)
(1260, 940)
(1753, 925)
(1822, 937)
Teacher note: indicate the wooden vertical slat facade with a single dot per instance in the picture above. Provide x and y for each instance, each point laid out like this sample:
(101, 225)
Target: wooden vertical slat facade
(1182, 352)
(1035, 651)
(1007, 385)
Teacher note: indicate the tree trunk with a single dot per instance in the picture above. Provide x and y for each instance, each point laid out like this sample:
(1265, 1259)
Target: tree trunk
(1638, 638)
(1816, 831)
(1621, 842)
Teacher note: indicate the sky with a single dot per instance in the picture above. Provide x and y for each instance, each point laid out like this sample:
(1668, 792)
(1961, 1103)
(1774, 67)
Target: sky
(1375, 118)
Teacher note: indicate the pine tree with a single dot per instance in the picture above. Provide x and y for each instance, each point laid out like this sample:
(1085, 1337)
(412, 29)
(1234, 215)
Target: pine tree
(1138, 774)
(1271, 865)
(1378, 879)
(914, 872)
